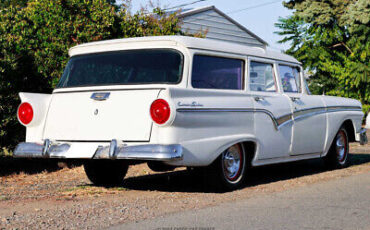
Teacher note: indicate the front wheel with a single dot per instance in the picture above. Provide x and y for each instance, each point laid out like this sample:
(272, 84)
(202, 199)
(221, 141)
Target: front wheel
(337, 156)
(106, 172)
(228, 172)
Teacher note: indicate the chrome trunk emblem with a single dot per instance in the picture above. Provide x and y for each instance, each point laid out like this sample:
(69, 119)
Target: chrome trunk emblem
(100, 96)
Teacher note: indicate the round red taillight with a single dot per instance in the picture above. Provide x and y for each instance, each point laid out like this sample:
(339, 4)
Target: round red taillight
(25, 113)
(160, 111)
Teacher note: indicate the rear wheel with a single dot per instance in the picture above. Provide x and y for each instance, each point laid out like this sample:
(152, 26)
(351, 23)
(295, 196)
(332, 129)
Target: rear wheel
(106, 172)
(228, 172)
(337, 156)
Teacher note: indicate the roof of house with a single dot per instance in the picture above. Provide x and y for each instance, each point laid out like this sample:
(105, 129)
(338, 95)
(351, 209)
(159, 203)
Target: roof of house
(187, 13)
(188, 42)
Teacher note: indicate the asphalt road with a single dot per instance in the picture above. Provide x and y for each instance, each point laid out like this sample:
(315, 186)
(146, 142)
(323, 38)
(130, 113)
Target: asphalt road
(336, 204)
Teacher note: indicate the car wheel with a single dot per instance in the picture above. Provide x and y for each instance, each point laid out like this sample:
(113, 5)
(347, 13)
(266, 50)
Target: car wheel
(337, 156)
(229, 170)
(106, 172)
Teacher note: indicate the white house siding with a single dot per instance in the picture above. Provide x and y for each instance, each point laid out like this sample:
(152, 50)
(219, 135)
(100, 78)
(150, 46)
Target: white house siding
(218, 27)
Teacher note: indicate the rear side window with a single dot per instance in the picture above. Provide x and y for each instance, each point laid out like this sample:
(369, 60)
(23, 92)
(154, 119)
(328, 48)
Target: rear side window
(261, 77)
(290, 79)
(217, 72)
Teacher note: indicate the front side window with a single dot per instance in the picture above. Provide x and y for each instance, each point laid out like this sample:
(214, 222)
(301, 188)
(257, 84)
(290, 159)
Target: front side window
(152, 66)
(290, 79)
(261, 77)
(217, 73)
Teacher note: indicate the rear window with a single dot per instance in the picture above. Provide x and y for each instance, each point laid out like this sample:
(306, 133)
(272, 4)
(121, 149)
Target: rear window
(153, 66)
(217, 73)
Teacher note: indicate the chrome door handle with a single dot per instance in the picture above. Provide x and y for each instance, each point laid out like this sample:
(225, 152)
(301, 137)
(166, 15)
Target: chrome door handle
(294, 98)
(257, 98)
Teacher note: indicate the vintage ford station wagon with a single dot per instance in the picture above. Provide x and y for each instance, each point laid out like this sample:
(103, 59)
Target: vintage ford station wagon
(182, 101)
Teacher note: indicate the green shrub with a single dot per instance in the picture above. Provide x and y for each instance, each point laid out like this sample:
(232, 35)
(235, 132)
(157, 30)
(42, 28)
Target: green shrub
(366, 109)
(35, 38)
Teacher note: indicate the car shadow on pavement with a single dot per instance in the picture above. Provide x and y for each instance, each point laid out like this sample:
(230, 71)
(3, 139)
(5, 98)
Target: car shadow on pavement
(185, 181)
(10, 165)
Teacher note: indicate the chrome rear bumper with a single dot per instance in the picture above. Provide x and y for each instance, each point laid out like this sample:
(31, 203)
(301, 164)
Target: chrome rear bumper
(32, 150)
(112, 151)
(363, 137)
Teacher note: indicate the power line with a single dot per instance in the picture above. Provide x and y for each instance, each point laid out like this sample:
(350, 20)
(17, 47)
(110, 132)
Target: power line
(252, 7)
(186, 4)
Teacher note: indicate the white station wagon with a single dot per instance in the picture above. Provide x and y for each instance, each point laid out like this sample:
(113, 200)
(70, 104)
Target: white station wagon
(182, 101)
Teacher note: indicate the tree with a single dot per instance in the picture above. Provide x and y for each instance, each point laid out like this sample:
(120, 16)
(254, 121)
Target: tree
(35, 38)
(331, 39)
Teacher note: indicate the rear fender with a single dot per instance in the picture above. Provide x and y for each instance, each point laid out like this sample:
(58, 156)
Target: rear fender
(240, 139)
(40, 104)
(203, 152)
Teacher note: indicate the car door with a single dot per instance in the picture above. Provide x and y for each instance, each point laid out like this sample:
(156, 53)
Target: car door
(272, 128)
(309, 117)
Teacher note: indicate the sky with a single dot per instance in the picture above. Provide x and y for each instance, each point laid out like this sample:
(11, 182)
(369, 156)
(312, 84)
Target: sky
(258, 16)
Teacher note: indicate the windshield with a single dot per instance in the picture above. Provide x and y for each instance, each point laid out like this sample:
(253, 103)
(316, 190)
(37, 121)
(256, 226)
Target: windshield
(148, 66)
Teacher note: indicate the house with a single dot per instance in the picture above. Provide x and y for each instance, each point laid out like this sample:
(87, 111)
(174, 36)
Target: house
(218, 26)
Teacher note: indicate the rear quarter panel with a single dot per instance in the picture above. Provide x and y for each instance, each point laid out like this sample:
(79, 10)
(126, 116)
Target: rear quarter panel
(40, 104)
(204, 133)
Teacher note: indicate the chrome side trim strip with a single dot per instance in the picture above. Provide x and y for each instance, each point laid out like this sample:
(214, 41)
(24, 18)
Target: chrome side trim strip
(282, 120)
(344, 108)
(248, 110)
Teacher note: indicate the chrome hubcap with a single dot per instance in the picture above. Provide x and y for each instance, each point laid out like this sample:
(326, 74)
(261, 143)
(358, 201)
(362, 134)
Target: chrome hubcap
(232, 162)
(341, 146)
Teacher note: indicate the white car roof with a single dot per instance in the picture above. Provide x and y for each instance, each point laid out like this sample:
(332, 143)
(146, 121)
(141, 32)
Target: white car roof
(189, 42)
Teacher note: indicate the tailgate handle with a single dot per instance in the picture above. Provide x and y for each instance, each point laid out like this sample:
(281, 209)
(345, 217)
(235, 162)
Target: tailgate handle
(100, 96)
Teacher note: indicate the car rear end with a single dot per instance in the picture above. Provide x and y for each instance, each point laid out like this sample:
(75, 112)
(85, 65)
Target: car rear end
(105, 105)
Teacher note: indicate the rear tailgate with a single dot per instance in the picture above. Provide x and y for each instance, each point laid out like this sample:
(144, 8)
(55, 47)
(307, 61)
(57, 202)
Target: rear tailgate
(124, 115)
